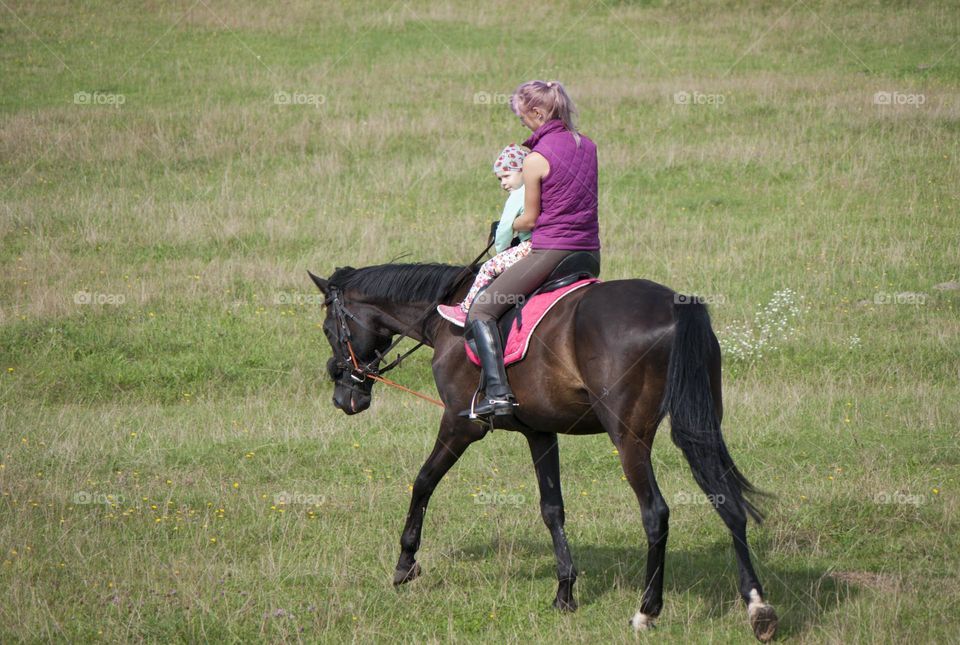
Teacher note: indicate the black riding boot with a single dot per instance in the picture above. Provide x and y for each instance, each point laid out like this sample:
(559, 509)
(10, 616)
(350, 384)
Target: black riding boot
(497, 397)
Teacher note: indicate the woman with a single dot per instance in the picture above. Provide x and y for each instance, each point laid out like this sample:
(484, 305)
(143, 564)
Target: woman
(560, 207)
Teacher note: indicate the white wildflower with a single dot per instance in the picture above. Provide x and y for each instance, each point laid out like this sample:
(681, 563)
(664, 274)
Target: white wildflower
(772, 324)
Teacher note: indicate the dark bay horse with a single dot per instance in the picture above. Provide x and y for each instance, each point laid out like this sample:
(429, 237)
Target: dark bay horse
(614, 357)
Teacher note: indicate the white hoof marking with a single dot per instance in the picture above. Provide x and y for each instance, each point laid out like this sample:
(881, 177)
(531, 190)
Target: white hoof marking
(641, 621)
(756, 603)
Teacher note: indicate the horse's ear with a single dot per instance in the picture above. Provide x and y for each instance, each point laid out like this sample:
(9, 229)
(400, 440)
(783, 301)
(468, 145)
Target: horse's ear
(322, 284)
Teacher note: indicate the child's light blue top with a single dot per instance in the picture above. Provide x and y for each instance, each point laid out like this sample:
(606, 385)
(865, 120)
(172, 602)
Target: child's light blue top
(511, 211)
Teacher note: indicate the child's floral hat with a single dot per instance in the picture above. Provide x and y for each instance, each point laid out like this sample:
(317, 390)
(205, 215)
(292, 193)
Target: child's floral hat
(510, 160)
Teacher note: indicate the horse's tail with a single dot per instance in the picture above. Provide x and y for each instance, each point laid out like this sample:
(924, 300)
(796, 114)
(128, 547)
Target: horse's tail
(695, 424)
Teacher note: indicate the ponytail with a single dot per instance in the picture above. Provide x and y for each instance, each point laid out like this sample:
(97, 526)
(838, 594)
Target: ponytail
(552, 98)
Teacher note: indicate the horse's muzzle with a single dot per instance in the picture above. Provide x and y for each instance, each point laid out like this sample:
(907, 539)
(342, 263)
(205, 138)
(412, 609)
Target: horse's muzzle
(350, 399)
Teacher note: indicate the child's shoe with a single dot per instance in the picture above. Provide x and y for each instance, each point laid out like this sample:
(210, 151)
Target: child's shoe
(454, 314)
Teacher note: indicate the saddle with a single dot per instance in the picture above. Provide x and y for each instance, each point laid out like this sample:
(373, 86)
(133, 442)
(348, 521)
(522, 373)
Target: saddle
(579, 265)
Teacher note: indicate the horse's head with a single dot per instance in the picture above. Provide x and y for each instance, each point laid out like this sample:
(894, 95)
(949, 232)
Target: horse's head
(355, 336)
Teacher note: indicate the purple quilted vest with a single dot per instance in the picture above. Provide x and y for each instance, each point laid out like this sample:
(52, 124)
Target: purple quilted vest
(568, 196)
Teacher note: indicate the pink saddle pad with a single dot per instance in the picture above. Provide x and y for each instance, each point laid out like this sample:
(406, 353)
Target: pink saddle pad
(518, 340)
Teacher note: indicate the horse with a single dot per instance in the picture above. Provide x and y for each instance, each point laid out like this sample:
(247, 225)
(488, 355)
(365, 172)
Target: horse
(614, 357)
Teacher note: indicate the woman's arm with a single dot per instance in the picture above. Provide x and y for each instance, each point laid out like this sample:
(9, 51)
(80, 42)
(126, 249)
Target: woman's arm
(535, 169)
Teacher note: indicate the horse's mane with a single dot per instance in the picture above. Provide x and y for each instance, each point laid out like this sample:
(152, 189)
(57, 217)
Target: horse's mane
(402, 282)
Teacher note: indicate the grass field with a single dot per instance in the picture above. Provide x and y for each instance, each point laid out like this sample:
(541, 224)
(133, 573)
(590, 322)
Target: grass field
(169, 171)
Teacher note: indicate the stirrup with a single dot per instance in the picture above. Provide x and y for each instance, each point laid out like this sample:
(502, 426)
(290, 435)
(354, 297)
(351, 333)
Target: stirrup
(470, 413)
(498, 407)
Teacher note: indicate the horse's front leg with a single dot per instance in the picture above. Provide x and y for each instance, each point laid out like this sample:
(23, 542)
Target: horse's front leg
(546, 461)
(456, 434)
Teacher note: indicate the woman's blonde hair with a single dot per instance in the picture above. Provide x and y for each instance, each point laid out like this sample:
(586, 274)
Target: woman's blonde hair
(549, 96)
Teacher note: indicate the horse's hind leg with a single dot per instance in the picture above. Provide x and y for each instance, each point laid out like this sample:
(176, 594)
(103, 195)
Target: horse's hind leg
(763, 618)
(546, 462)
(455, 436)
(632, 426)
(635, 460)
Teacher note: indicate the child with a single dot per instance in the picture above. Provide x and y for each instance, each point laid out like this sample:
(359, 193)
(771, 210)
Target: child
(507, 168)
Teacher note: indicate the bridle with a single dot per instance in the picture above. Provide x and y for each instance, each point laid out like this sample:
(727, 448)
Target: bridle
(346, 359)
(360, 372)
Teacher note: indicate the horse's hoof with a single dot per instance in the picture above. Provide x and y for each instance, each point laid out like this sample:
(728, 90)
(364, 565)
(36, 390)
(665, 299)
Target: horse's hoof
(565, 605)
(764, 621)
(642, 622)
(403, 576)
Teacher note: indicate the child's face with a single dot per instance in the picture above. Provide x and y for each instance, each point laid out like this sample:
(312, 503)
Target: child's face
(511, 180)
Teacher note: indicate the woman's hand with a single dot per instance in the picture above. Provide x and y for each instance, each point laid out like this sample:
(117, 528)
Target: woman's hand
(535, 169)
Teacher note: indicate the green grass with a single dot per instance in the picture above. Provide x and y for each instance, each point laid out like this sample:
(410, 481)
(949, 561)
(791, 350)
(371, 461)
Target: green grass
(198, 399)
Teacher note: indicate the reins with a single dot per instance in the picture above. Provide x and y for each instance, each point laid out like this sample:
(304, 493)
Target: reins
(372, 370)
(371, 374)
